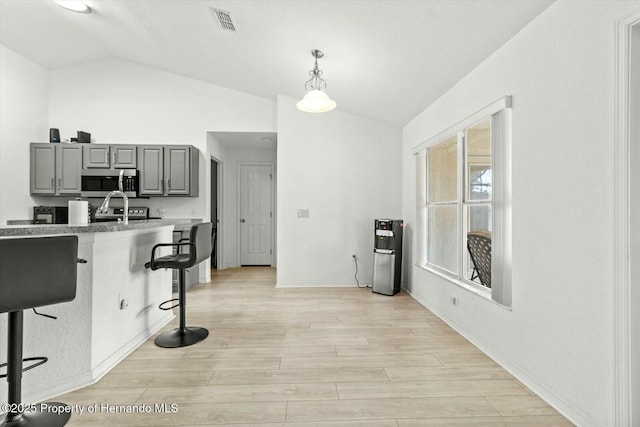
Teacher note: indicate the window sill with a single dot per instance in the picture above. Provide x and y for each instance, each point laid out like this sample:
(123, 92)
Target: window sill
(476, 290)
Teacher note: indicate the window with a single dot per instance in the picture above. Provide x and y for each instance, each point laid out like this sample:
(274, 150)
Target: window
(464, 202)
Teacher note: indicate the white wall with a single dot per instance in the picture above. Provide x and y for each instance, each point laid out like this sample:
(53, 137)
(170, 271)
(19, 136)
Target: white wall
(23, 119)
(231, 157)
(558, 336)
(346, 170)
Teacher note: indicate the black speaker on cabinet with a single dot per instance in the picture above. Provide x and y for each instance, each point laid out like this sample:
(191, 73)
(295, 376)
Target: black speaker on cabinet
(54, 135)
(84, 137)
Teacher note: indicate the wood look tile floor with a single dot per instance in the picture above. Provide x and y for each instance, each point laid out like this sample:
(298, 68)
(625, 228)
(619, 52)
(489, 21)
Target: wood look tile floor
(309, 357)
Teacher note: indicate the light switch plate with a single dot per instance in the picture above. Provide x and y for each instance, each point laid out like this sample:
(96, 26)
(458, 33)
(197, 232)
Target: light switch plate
(303, 213)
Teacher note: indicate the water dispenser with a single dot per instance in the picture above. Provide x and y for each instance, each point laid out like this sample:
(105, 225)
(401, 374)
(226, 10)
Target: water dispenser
(387, 256)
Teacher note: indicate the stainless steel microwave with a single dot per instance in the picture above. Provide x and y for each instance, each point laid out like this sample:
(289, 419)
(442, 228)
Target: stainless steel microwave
(99, 182)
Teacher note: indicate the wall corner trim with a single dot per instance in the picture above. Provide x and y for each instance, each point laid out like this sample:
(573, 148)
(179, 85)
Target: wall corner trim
(621, 370)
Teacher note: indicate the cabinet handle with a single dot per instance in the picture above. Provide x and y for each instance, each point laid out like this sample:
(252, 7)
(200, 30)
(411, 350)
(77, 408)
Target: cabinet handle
(59, 182)
(169, 185)
(161, 186)
(52, 183)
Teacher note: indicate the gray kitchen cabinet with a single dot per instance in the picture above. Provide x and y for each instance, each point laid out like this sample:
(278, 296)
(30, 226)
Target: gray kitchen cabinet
(169, 170)
(55, 169)
(68, 168)
(109, 156)
(95, 156)
(124, 156)
(178, 167)
(151, 168)
(43, 169)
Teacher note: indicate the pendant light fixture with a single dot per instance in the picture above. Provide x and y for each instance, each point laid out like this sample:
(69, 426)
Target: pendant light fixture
(74, 5)
(316, 100)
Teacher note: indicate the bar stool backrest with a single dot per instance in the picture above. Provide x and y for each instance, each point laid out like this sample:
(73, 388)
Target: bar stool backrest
(200, 236)
(37, 271)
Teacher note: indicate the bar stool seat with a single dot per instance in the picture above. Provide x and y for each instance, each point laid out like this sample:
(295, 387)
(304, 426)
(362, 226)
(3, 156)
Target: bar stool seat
(199, 245)
(34, 272)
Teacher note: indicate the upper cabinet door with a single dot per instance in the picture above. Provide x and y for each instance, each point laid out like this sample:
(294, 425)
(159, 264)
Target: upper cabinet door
(68, 167)
(55, 169)
(95, 156)
(151, 179)
(43, 169)
(176, 170)
(124, 157)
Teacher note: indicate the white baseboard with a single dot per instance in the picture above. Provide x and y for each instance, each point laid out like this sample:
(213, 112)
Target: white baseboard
(323, 285)
(100, 370)
(559, 403)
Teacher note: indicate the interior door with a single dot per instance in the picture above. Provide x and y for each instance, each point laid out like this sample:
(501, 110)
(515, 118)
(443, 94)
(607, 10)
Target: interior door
(255, 214)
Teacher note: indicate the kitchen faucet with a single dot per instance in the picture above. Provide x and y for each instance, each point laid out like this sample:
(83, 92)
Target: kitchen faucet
(105, 205)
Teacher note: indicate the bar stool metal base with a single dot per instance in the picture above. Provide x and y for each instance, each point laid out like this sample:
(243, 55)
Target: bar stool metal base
(39, 419)
(181, 337)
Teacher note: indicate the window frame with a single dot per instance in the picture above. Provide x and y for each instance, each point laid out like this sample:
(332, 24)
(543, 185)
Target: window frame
(500, 114)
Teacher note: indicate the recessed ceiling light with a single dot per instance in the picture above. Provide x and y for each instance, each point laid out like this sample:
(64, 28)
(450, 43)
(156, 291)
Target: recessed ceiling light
(74, 5)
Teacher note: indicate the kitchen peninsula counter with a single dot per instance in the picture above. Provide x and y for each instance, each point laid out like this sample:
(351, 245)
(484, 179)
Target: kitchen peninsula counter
(115, 309)
(94, 227)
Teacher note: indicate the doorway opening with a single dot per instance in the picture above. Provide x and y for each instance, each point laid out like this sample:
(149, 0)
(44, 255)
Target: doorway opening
(234, 151)
(216, 208)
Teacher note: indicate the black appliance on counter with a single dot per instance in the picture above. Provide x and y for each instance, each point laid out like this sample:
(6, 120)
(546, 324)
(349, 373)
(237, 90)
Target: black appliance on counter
(387, 256)
(50, 214)
(114, 214)
(99, 182)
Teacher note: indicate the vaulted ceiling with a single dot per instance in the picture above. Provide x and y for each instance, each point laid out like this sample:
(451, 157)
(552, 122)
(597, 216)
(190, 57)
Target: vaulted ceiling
(384, 59)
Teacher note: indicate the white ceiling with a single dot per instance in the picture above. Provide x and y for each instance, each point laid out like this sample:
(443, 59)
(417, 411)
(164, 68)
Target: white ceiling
(384, 59)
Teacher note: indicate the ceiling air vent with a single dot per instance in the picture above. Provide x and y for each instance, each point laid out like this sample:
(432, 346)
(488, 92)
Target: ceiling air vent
(224, 18)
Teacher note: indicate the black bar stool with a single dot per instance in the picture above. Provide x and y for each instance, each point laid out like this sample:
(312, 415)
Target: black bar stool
(34, 272)
(199, 245)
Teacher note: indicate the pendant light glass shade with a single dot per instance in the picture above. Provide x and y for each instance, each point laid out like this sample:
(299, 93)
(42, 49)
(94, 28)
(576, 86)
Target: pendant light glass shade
(74, 5)
(316, 101)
